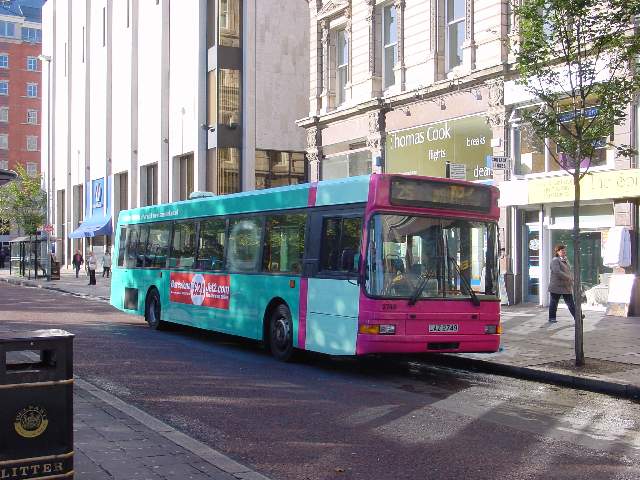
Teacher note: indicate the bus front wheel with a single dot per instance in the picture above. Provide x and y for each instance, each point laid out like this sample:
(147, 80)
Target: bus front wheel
(281, 333)
(152, 310)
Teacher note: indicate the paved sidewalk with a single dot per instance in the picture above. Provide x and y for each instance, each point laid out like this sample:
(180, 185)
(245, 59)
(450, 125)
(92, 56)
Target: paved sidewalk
(67, 283)
(116, 441)
(531, 348)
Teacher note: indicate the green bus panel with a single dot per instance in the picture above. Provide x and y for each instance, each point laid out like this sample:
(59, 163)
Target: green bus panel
(332, 316)
(248, 300)
(343, 191)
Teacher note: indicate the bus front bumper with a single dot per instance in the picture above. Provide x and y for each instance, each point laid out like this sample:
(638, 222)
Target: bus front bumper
(481, 343)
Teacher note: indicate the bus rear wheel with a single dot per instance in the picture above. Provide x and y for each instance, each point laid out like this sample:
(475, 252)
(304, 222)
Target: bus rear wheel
(153, 311)
(281, 333)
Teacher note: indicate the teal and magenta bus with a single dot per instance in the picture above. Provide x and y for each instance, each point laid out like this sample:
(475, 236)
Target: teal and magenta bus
(372, 264)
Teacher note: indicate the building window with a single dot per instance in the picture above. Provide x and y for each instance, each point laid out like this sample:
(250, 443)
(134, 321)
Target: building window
(4, 164)
(32, 64)
(186, 176)
(32, 117)
(4, 141)
(277, 169)
(229, 23)
(349, 164)
(7, 29)
(151, 178)
(32, 90)
(454, 35)
(4, 87)
(229, 98)
(4, 60)
(228, 170)
(537, 155)
(32, 143)
(4, 114)
(32, 169)
(389, 45)
(342, 66)
(33, 35)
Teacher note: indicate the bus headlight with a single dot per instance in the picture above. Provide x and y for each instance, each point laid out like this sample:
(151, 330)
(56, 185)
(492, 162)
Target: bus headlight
(492, 329)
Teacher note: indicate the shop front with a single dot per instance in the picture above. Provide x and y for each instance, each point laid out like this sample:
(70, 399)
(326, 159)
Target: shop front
(543, 211)
(97, 227)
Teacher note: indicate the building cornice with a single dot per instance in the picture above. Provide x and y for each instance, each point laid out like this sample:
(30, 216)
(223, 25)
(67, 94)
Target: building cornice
(341, 114)
(443, 87)
(332, 8)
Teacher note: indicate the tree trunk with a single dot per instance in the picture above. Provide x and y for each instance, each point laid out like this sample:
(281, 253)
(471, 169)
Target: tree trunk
(576, 269)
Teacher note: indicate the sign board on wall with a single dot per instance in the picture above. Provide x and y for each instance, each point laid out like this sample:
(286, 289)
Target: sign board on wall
(427, 150)
(621, 287)
(593, 186)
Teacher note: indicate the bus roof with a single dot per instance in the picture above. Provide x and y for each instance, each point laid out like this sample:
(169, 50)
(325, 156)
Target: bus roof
(329, 192)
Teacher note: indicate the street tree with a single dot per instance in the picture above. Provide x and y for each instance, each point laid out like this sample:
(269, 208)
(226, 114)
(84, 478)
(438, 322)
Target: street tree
(577, 57)
(23, 203)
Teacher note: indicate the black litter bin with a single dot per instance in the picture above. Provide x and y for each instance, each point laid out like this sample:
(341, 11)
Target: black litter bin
(36, 404)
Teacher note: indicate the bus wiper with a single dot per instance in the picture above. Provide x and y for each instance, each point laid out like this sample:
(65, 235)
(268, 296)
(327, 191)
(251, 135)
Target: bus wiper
(424, 278)
(472, 294)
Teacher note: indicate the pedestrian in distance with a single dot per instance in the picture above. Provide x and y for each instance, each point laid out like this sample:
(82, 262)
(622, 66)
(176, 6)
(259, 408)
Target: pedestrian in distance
(106, 264)
(2, 257)
(560, 283)
(92, 263)
(77, 261)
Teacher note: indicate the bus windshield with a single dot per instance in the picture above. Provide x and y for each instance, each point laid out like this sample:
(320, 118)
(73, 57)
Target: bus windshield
(418, 257)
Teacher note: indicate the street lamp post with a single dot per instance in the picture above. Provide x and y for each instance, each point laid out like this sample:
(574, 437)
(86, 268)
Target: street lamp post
(47, 58)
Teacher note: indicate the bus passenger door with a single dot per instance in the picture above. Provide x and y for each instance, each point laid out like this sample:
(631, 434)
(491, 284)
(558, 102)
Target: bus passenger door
(333, 294)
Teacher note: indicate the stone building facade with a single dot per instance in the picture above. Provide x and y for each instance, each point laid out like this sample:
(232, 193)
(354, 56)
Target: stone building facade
(428, 87)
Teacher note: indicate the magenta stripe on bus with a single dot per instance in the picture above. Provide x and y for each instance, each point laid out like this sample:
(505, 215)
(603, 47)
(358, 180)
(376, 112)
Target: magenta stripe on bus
(313, 191)
(302, 313)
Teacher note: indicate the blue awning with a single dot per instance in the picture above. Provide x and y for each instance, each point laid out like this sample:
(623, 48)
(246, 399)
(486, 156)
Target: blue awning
(93, 227)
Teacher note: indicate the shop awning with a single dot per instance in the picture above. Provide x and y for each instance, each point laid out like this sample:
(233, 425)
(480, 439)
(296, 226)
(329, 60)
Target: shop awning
(92, 227)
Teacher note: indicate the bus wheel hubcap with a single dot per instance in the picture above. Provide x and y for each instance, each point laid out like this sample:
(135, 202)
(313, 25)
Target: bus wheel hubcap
(282, 332)
(152, 312)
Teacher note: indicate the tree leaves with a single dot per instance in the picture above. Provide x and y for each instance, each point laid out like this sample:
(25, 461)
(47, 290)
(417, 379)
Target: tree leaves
(23, 203)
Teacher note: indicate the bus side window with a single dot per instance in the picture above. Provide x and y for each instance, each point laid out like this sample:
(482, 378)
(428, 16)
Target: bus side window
(143, 237)
(121, 246)
(243, 252)
(284, 243)
(340, 244)
(211, 245)
(158, 245)
(183, 246)
(132, 246)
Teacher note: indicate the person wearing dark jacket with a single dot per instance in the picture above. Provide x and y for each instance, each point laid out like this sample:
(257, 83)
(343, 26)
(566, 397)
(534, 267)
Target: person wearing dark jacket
(560, 283)
(77, 261)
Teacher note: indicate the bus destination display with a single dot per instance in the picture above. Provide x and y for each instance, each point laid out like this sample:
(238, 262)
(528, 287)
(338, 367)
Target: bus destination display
(425, 193)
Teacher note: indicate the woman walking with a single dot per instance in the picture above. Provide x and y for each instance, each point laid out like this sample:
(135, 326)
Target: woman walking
(92, 263)
(77, 261)
(560, 283)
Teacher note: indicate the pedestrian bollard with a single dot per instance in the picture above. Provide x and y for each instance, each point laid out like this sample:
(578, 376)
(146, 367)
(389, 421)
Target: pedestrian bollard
(36, 404)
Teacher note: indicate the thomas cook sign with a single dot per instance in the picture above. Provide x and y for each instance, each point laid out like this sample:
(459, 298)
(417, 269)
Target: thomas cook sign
(463, 143)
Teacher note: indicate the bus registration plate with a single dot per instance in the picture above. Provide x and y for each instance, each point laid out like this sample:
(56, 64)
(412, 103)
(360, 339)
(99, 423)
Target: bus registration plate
(443, 327)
